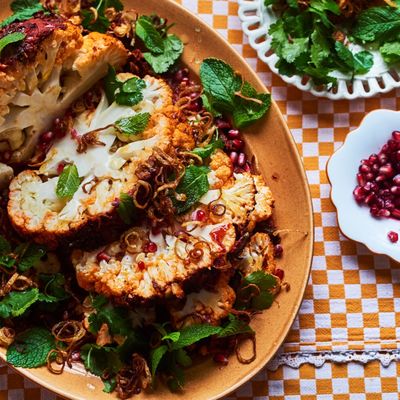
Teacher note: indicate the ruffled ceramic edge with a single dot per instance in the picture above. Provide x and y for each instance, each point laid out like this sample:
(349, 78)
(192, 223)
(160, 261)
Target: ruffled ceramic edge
(295, 360)
(254, 26)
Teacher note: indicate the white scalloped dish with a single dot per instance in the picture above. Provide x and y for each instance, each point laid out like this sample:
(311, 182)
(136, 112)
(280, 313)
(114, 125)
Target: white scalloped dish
(355, 221)
(256, 20)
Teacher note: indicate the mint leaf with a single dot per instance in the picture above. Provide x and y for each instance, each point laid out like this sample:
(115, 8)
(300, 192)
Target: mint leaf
(131, 92)
(363, 62)
(111, 84)
(133, 125)
(100, 359)
(101, 24)
(391, 52)
(345, 55)
(126, 209)
(11, 38)
(109, 385)
(262, 279)
(173, 336)
(5, 247)
(235, 326)
(22, 10)
(15, 304)
(227, 92)
(68, 182)
(150, 36)
(30, 348)
(194, 333)
(194, 185)
(156, 356)
(182, 358)
(208, 149)
(376, 23)
(173, 48)
(29, 254)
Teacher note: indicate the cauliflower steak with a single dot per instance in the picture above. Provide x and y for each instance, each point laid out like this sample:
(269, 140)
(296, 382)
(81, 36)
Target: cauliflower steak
(42, 75)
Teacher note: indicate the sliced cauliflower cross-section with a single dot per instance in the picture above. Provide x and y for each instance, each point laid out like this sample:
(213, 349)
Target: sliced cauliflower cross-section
(34, 208)
(46, 72)
(133, 269)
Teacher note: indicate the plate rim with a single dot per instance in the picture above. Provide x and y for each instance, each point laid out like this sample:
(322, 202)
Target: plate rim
(262, 47)
(179, 8)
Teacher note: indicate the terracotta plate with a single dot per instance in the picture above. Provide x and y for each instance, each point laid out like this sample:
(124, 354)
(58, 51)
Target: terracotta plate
(276, 154)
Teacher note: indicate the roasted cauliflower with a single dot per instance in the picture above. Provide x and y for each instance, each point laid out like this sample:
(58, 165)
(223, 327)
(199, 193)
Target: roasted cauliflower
(143, 265)
(37, 211)
(42, 75)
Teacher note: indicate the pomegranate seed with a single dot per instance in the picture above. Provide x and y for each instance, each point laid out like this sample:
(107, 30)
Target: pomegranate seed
(361, 179)
(247, 167)
(75, 356)
(386, 170)
(389, 205)
(383, 213)
(220, 358)
(396, 135)
(381, 178)
(359, 194)
(141, 265)
(222, 124)
(102, 256)
(182, 73)
(370, 199)
(369, 177)
(151, 247)
(374, 210)
(375, 167)
(47, 136)
(396, 180)
(237, 144)
(60, 168)
(395, 213)
(364, 168)
(234, 157)
(395, 190)
(393, 236)
(234, 134)
(278, 251)
(373, 158)
(279, 273)
(382, 157)
(200, 215)
(241, 159)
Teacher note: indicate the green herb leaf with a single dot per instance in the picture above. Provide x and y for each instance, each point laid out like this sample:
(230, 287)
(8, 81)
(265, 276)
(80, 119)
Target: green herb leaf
(101, 24)
(15, 304)
(263, 280)
(226, 92)
(111, 84)
(131, 92)
(376, 23)
(345, 55)
(54, 288)
(100, 359)
(194, 185)
(109, 385)
(29, 254)
(30, 348)
(235, 326)
(126, 209)
(68, 182)
(322, 7)
(133, 125)
(391, 52)
(173, 48)
(363, 62)
(7, 261)
(292, 50)
(22, 10)
(173, 336)
(11, 38)
(150, 36)
(5, 247)
(156, 356)
(209, 149)
(182, 358)
(193, 334)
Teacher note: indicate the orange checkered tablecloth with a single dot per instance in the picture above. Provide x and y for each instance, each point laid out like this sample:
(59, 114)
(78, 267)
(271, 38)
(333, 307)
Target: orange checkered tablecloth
(351, 308)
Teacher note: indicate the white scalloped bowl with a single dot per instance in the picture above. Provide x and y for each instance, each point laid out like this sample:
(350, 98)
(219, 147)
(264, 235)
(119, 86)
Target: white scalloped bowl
(355, 221)
(256, 19)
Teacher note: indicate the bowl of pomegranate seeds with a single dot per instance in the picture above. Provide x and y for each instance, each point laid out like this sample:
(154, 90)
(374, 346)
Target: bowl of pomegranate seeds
(365, 178)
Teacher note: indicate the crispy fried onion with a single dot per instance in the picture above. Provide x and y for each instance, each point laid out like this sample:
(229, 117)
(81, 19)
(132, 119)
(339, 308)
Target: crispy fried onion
(217, 208)
(133, 379)
(238, 345)
(88, 139)
(189, 250)
(134, 240)
(7, 336)
(18, 283)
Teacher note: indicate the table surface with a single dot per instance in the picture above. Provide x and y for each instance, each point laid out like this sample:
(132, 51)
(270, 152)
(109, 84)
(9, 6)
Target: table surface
(351, 308)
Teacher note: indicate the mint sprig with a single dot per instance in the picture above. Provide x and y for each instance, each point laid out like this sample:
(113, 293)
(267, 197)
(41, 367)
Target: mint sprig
(133, 125)
(68, 182)
(30, 348)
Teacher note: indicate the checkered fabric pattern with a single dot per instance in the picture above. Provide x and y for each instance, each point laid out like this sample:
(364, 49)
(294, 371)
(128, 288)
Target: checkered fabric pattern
(352, 302)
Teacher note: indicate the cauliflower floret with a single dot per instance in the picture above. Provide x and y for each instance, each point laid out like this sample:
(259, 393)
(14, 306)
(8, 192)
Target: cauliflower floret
(128, 269)
(207, 305)
(221, 169)
(257, 255)
(50, 68)
(263, 202)
(37, 212)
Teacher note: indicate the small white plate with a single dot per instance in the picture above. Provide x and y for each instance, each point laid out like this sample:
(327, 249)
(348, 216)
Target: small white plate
(355, 221)
(256, 20)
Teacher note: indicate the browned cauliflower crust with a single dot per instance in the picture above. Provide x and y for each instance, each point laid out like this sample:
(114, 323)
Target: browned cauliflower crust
(133, 270)
(37, 212)
(210, 304)
(41, 76)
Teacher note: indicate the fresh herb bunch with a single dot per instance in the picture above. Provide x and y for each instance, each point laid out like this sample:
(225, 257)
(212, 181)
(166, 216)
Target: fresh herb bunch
(313, 41)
